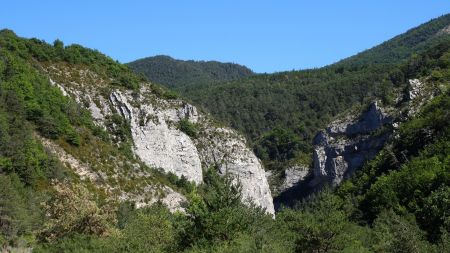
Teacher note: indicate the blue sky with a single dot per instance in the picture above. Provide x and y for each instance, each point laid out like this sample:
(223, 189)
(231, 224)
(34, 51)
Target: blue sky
(266, 36)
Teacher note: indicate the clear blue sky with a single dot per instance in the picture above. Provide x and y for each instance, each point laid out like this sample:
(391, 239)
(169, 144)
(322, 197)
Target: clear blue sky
(266, 36)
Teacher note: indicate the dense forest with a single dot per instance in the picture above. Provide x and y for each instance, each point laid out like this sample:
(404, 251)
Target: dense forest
(398, 202)
(177, 74)
(281, 113)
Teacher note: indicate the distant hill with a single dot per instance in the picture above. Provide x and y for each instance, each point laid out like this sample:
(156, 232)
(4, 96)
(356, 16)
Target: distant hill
(174, 73)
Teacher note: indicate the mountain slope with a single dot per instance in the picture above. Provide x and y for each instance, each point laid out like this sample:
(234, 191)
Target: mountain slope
(183, 74)
(403, 46)
(397, 203)
(149, 123)
(81, 138)
(280, 113)
(82, 135)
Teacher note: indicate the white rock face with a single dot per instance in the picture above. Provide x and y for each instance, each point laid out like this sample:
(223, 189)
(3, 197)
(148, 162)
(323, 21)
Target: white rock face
(320, 159)
(292, 176)
(418, 94)
(60, 87)
(346, 144)
(416, 88)
(159, 143)
(156, 142)
(225, 149)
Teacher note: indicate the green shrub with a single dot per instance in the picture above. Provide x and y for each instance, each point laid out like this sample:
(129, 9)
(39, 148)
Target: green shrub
(73, 138)
(188, 127)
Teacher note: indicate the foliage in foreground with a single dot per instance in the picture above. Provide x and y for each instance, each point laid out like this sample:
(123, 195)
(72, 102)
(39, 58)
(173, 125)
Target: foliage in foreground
(387, 207)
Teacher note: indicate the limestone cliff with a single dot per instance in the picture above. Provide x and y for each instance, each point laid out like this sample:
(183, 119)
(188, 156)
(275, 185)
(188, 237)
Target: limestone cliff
(156, 137)
(347, 143)
(226, 150)
(351, 140)
(156, 141)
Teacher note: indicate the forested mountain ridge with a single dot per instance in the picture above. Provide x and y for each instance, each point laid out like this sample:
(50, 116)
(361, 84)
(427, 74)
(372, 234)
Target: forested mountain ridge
(281, 113)
(94, 158)
(404, 45)
(177, 74)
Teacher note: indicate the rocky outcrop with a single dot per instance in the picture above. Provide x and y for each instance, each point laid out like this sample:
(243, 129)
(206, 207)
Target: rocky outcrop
(347, 143)
(415, 88)
(292, 176)
(156, 139)
(224, 149)
(353, 139)
(418, 93)
(158, 142)
(443, 31)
